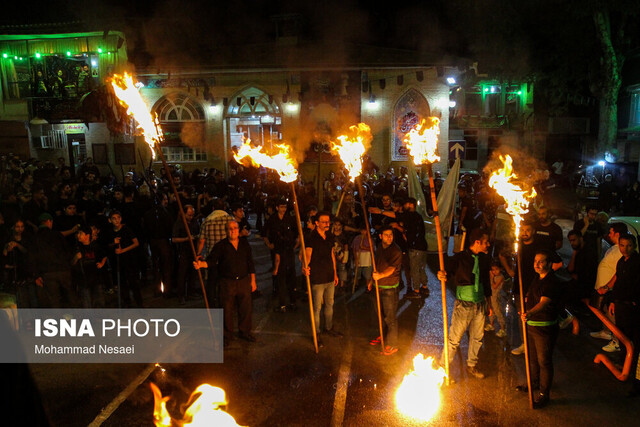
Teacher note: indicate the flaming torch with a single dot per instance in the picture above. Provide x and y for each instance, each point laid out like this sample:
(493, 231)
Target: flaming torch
(282, 163)
(205, 409)
(517, 201)
(422, 142)
(128, 95)
(351, 148)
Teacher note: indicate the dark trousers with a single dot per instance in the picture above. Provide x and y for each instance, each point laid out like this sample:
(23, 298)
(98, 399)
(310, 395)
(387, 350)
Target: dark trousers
(286, 279)
(57, 291)
(129, 279)
(542, 340)
(627, 320)
(389, 305)
(406, 268)
(185, 275)
(236, 293)
(162, 263)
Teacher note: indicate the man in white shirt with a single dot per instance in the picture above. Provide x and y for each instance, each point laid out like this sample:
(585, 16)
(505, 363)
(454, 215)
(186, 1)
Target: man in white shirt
(606, 270)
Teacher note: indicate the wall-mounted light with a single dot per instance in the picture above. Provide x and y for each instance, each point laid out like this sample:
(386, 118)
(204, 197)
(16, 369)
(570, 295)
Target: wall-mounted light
(68, 53)
(451, 80)
(292, 108)
(99, 50)
(38, 55)
(452, 104)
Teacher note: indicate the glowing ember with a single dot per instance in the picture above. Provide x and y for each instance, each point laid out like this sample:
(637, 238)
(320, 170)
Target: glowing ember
(129, 96)
(204, 409)
(422, 141)
(281, 161)
(352, 146)
(419, 394)
(516, 198)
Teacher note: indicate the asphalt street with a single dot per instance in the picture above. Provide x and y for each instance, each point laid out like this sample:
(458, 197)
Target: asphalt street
(281, 381)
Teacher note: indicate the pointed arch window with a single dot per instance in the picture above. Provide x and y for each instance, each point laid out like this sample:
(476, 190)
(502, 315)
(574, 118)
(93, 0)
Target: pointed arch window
(182, 117)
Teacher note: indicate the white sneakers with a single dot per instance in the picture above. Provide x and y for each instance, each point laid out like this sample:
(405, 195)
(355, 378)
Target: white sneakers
(501, 333)
(518, 351)
(603, 334)
(612, 347)
(489, 327)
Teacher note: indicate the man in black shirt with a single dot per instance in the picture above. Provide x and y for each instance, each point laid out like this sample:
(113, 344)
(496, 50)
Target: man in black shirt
(157, 224)
(389, 265)
(583, 267)
(625, 297)
(50, 261)
(548, 232)
(543, 305)
(322, 272)
(469, 270)
(88, 263)
(413, 225)
(233, 260)
(528, 248)
(280, 236)
(185, 278)
(591, 231)
(124, 244)
(238, 215)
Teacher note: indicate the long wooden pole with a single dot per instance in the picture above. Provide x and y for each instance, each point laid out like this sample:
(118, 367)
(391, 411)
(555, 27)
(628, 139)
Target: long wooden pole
(186, 227)
(524, 331)
(373, 260)
(443, 287)
(305, 264)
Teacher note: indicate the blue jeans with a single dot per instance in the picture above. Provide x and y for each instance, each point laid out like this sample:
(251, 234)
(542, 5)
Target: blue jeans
(323, 293)
(389, 303)
(466, 315)
(418, 262)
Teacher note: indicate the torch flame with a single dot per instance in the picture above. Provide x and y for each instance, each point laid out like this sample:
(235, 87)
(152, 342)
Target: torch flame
(516, 198)
(422, 141)
(419, 394)
(351, 148)
(281, 162)
(129, 96)
(204, 410)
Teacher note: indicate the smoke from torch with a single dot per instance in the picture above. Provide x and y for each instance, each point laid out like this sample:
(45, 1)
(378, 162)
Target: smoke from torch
(129, 96)
(422, 141)
(516, 198)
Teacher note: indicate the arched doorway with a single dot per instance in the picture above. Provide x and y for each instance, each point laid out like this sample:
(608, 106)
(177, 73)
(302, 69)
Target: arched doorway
(253, 114)
(182, 120)
(410, 109)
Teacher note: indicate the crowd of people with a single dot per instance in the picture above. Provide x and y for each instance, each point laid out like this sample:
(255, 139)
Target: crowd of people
(76, 238)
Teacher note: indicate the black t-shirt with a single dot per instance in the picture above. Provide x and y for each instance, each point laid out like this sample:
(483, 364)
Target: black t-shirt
(126, 236)
(527, 256)
(548, 287)
(549, 235)
(281, 232)
(413, 224)
(627, 287)
(321, 263)
(389, 257)
(591, 235)
(86, 269)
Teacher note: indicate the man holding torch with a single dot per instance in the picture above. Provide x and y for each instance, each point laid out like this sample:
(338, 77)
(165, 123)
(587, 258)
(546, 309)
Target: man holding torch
(470, 271)
(543, 307)
(322, 272)
(389, 266)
